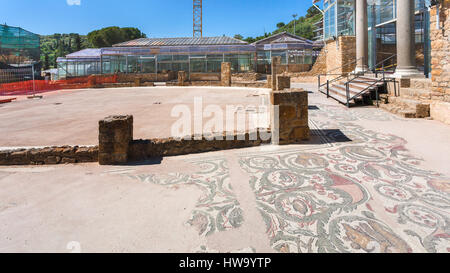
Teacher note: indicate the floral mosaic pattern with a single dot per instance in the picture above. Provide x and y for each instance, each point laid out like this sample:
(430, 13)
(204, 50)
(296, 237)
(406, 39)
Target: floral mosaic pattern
(366, 195)
(217, 209)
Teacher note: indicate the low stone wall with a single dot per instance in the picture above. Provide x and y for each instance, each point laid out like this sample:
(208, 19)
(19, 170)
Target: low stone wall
(49, 155)
(146, 149)
(204, 77)
(293, 68)
(246, 77)
(146, 77)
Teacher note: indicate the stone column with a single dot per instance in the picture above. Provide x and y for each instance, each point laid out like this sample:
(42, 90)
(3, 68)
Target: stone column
(276, 61)
(181, 78)
(226, 74)
(115, 135)
(406, 49)
(292, 125)
(362, 36)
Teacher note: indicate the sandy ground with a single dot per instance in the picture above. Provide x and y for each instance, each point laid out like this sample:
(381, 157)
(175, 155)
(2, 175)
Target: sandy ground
(71, 117)
(222, 201)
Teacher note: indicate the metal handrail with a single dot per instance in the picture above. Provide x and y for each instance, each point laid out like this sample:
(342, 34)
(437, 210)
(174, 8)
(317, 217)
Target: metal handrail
(382, 64)
(340, 76)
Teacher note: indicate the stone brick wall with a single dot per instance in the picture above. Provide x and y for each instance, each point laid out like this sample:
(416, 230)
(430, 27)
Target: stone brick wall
(146, 149)
(440, 48)
(115, 135)
(226, 74)
(292, 126)
(205, 77)
(147, 77)
(340, 53)
(440, 63)
(49, 155)
(245, 77)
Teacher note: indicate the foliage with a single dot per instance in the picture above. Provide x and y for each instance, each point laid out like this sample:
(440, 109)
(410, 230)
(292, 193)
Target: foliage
(304, 26)
(109, 36)
(59, 45)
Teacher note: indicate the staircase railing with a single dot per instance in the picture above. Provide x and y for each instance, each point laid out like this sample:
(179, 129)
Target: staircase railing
(374, 83)
(340, 76)
(383, 67)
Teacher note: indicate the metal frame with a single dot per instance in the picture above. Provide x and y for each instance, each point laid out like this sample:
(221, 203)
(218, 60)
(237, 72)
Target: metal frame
(198, 19)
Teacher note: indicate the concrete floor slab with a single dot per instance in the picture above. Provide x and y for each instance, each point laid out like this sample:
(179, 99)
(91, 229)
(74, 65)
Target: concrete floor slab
(368, 181)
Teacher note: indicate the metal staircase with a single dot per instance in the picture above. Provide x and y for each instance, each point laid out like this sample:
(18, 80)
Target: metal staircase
(350, 88)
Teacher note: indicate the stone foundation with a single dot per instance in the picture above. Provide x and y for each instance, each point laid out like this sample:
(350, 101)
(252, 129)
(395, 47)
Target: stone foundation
(146, 149)
(292, 126)
(49, 155)
(115, 135)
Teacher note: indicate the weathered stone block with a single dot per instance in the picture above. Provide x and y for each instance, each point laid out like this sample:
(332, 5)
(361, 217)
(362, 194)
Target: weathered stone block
(226, 74)
(181, 78)
(292, 124)
(283, 82)
(137, 82)
(115, 135)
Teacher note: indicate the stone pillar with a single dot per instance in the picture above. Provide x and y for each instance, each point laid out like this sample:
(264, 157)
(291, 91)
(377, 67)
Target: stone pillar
(283, 82)
(269, 81)
(181, 78)
(226, 74)
(406, 49)
(292, 125)
(137, 82)
(362, 36)
(276, 61)
(115, 135)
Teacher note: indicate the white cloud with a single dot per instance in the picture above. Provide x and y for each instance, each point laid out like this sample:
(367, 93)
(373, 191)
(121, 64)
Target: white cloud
(74, 2)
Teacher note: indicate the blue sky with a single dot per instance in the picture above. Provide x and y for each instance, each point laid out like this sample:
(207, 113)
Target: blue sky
(156, 18)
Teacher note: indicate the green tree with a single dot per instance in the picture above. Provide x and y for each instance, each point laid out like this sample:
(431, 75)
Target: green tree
(280, 25)
(46, 62)
(239, 37)
(109, 36)
(78, 42)
(311, 12)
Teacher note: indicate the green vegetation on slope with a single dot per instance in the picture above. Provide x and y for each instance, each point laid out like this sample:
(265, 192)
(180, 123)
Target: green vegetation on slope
(304, 27)
(59, 45)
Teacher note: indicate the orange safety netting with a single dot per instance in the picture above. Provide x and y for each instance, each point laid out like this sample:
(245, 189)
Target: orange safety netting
(41, 86)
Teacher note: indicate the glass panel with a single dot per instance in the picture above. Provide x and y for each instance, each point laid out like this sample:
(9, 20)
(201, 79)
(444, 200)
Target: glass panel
(198, 63)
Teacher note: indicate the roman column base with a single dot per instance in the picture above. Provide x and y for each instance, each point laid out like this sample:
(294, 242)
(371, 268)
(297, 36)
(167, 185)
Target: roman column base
(361, 70)
(402, 73)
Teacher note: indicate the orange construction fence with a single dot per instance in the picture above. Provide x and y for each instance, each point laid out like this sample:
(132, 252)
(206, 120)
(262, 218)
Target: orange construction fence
(40, 86)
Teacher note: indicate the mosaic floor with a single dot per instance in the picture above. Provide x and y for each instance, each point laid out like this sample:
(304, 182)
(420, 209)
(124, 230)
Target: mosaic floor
(355, 190)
